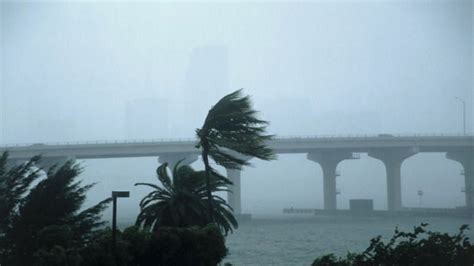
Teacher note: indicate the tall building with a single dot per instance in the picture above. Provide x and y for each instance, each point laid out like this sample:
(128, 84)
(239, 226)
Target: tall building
(206, 81)
(147, 118)
(291, 116)
(208, 72)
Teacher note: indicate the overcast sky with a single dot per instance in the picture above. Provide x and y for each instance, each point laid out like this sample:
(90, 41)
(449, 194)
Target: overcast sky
(88, 71)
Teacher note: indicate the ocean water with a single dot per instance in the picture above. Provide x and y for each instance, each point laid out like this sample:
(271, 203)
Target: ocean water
(299, 239)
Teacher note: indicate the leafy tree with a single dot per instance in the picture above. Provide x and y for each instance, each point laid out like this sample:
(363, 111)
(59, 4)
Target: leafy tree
(53, 239)
(181, 202)
(14, 182)
(50, 210)
(57, 256)
(420, 247)
(168, 246)
(230, 129)
(101, 252)
(200, 246)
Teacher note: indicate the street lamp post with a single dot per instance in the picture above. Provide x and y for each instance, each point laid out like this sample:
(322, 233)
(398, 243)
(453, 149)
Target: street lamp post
(420, 194)
(463, 114)
(115, 195)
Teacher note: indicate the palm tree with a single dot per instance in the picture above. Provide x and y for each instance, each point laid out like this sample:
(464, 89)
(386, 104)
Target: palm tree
(230, 129)
(181, 202)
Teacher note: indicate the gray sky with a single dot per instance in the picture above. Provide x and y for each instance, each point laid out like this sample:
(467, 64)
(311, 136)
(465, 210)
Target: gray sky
(85, 71)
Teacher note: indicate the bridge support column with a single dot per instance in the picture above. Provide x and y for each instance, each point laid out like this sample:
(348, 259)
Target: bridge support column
(328, 160)
(173, 158)
(234, 195)
(393, 158)
(466, 159)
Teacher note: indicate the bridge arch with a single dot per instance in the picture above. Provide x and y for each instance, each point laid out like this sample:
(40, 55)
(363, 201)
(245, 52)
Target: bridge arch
(440, 180)
(362, 179)
(289, 181)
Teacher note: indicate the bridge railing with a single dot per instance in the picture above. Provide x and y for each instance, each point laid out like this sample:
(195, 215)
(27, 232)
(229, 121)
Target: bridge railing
(171, 140)
(370, 135)
(92, 142)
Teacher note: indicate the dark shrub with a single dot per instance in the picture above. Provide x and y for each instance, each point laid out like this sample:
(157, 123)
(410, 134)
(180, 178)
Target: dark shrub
(100, 251)
(420, 247)
(167, 246)
(55, 247)
(57, 256)
(137, 242)
(45, 220)
(55, 235)
(185, 246)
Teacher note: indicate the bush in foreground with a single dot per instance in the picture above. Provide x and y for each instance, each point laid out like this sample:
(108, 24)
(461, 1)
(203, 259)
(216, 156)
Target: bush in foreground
(167, 246)
(44, 223)
(420, 247)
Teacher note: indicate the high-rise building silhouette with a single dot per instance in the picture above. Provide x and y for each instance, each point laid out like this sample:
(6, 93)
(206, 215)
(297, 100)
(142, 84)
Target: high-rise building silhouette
(206, 80)
(147, 118)
(208, 72)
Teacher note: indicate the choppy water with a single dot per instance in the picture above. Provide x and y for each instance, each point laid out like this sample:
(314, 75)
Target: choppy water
(298, 240)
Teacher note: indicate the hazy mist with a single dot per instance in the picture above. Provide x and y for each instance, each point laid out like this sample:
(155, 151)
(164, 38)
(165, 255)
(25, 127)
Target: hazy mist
(107, 71)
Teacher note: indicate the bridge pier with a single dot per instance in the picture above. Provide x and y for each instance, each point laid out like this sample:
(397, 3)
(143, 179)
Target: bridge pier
(234, 195)
(173, 158)
(393, 158)
(466, 159)
(328, 160)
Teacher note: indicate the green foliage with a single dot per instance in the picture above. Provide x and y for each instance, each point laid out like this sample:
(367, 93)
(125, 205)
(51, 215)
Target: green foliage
(181, 202)
(57, 256)
(168, 246)
(43, 225)
(14, 182)
(232, 125)
(185, 246)
(55, 235)
(100, 251)
(420, 247)
(230, 130)
(138, 242)
(45, 222)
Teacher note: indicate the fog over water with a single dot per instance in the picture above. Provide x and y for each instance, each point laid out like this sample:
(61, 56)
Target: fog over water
(107, 71)
(273, 240)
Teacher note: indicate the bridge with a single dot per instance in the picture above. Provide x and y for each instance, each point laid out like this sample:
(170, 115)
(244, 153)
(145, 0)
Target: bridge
(327, 151)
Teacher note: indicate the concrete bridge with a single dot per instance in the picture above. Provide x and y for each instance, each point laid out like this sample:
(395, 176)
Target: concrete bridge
(328, 152)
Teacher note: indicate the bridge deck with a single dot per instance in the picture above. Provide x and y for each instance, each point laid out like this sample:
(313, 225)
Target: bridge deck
(144, 148)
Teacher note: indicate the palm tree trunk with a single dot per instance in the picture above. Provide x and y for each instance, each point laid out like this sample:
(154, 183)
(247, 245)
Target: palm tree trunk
(208, 184)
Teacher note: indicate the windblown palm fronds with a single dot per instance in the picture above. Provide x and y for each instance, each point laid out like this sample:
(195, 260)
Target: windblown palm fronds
(232, 131)
(182, 201)
(232, 125)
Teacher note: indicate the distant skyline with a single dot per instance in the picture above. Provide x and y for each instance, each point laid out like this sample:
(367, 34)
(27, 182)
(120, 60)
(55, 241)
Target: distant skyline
(365, 67)
(147, 118)
(68, 71)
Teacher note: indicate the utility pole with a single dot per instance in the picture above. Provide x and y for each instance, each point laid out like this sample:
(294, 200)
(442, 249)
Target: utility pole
(420, 194)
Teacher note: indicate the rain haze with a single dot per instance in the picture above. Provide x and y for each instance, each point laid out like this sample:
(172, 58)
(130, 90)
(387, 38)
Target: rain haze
(86, 71)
